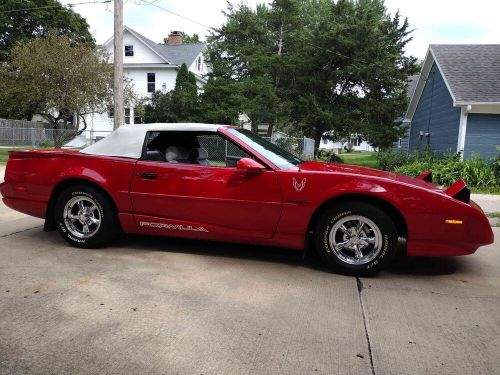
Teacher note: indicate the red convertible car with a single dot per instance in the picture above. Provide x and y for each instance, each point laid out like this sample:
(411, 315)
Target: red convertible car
(223, 183)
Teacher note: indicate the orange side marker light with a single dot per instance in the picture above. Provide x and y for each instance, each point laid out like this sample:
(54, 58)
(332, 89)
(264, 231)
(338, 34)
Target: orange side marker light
(453, 221)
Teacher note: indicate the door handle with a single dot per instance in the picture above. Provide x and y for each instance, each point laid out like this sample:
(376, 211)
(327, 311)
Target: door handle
(149, 176)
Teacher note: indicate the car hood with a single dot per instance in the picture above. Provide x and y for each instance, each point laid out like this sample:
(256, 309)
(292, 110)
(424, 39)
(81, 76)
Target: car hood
(323, 167)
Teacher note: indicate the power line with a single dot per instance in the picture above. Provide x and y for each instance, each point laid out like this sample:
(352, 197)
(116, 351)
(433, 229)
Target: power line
(55, 6)
(354, 59)
(144, 2)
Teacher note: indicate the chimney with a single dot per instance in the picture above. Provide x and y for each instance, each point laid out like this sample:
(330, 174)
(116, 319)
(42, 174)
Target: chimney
(174, 38)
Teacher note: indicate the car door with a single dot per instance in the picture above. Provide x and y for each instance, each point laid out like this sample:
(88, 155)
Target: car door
(209, 201)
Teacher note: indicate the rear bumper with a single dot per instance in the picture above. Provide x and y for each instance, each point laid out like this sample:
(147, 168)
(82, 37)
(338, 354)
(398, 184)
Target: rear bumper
(29, 207)
(22, 201)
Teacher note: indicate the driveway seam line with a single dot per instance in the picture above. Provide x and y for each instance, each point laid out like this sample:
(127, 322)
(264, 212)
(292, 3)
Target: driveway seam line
(360, 287)
(19, 231)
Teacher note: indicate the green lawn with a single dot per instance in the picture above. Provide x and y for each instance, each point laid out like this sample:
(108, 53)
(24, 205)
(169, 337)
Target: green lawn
(4, 155)
(365, 159)
(4, 152)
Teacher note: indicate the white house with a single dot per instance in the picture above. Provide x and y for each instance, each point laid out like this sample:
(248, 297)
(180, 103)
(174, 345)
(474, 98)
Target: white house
(357, 142)
(150, 66)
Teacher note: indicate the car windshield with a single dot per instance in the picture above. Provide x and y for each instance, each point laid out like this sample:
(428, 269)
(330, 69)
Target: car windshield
(276, 155)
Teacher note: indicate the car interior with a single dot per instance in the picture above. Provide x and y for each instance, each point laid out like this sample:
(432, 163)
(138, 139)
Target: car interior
(202, 148)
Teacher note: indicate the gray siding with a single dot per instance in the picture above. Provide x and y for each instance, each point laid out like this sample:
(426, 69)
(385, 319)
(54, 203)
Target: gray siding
(482, 135)
(401, 145)
(436, 115)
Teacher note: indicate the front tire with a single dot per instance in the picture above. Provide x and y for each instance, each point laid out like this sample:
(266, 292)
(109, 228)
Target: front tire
(85, 218)
(356, 238)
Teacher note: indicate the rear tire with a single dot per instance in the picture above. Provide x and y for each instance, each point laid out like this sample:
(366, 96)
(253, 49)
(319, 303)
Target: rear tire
(356, 238)
(85, 217)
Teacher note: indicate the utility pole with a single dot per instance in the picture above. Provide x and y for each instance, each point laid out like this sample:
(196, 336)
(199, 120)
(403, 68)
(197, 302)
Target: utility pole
(271, 127)
(119, 111)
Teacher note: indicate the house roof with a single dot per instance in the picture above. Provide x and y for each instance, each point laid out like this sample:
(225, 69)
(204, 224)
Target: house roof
(412, 84)
(174, 55)
(471, 70)
(183, 53)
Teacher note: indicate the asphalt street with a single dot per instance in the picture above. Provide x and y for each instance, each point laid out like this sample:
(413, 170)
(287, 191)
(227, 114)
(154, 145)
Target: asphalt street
(166, 306)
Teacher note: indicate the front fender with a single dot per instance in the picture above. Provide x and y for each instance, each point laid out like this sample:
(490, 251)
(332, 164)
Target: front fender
(427, 211)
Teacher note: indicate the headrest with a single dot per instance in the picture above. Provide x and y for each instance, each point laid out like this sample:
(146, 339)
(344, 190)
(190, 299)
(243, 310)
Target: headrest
(174, 153)
(200, 153)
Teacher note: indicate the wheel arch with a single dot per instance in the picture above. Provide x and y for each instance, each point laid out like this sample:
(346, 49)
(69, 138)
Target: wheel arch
(399, 219)
(61, 186)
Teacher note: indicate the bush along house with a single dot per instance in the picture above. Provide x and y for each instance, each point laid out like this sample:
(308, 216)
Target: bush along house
(455, 101)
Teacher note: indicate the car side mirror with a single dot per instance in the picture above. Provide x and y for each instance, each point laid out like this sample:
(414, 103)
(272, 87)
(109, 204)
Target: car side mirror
(250, 165)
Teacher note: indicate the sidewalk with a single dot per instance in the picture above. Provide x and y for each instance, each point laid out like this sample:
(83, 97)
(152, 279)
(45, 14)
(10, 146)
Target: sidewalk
(488, 202)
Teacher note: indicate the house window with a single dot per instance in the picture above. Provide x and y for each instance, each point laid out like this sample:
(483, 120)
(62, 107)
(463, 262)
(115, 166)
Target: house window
(127, 115)
(129, 50)
(355, 140)
(111, 111)
(138, 115)
(151, 82)
(198, 63)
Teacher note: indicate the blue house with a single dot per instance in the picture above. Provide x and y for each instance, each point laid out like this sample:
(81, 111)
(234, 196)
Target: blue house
(455, 101)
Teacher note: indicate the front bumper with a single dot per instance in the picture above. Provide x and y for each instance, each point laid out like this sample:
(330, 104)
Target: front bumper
(454, 239)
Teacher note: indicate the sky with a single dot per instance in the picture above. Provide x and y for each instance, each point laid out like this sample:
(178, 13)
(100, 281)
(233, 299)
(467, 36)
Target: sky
(433, 21)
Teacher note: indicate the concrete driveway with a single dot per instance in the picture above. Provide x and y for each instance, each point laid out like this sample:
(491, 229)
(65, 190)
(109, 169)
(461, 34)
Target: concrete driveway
(156, 305)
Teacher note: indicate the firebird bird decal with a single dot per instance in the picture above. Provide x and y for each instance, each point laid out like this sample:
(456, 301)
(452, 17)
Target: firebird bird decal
(181, 227)
(299, 186)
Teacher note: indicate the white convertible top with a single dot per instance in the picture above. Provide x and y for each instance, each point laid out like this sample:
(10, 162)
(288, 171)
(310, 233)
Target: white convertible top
(128, 140)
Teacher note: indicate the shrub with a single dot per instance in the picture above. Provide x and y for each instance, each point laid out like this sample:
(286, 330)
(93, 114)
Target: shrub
(496, 162)
(479, 173)
(329, 156)
(476, 172)
(413, 169)
(46, 143)
(389, 159)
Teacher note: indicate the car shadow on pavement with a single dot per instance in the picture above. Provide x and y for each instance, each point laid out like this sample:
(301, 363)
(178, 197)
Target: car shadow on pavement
(428, 266)
(209, 248)
(411, 266)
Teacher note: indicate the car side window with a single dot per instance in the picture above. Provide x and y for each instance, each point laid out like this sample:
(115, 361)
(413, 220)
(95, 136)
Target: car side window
(220, 151)
(188, 147)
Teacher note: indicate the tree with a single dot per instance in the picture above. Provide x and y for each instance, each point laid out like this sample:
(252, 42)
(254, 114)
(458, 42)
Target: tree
(242, 53)
(315, 65)
(159, 108)
(190, 39)
(24, 25)
(354, 78)
(57, 79)
(185, 96)
(180, 105)
(220, 101)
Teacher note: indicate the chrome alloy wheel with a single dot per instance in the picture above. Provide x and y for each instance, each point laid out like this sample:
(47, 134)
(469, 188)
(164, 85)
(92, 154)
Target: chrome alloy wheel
(82, 217)
(355, 240)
